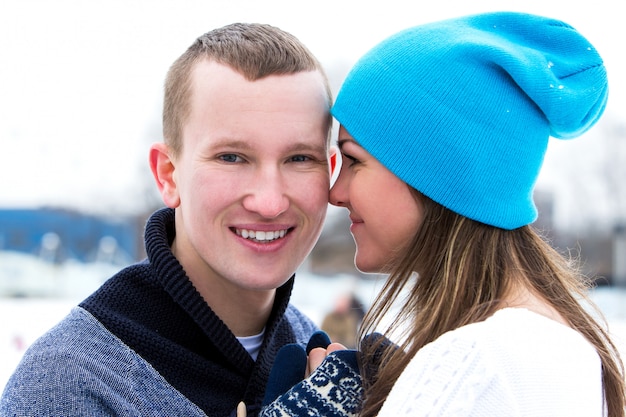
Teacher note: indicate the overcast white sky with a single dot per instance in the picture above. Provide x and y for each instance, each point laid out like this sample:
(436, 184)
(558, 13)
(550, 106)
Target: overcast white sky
(81, 81)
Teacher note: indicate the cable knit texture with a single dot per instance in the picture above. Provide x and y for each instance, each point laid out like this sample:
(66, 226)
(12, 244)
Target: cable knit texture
(146, 343)
(516, 363)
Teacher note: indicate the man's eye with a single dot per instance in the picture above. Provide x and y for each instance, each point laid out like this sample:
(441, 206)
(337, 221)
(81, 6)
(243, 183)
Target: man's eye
(230, 157)
(300, 158)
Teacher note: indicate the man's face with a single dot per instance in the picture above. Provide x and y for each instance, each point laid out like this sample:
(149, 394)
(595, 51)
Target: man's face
(252, 179)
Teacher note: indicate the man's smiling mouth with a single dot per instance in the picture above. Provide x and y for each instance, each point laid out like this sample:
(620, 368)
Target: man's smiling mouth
(261, 235)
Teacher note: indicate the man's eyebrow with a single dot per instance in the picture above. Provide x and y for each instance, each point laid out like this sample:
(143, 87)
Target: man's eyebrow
(303, 147)
(231, 143)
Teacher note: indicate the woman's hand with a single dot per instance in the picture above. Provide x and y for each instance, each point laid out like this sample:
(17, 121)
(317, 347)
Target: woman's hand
(317, 355)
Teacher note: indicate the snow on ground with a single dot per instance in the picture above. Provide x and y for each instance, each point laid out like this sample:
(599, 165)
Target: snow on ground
(25, 319)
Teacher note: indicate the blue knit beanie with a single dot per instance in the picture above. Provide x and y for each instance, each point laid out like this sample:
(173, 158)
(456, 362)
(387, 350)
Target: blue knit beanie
(462, 109)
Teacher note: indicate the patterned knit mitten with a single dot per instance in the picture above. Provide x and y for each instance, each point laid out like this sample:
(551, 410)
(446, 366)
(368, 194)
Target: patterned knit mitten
(333, 390)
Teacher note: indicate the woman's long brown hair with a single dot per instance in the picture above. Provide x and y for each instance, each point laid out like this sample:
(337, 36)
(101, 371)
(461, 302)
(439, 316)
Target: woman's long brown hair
(456, 271)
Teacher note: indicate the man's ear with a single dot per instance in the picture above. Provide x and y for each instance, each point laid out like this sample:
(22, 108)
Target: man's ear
(334, 162)
(163, 168)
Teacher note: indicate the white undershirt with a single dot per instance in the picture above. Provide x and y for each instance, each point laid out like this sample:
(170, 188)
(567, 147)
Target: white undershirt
(252, 344)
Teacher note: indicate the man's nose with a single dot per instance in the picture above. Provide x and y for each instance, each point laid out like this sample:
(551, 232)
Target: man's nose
(268, 194)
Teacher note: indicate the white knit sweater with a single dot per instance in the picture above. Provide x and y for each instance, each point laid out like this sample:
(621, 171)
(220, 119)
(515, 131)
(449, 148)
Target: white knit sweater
(515, 363)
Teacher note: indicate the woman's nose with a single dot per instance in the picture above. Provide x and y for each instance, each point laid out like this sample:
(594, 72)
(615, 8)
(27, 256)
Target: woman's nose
(338, 195)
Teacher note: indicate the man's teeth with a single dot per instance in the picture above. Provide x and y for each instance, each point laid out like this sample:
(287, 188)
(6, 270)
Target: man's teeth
(261, 236)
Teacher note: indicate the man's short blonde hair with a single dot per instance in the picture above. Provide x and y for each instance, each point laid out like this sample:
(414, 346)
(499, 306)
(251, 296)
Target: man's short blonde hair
(254, 50)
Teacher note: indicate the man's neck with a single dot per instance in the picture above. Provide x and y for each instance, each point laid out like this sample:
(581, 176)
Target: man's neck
(245, 312)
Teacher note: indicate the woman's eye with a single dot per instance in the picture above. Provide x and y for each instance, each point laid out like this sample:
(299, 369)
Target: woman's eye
(351, 160)
(230, 157)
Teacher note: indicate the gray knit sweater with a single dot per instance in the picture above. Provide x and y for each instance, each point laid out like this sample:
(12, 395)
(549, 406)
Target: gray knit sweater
(146, 344)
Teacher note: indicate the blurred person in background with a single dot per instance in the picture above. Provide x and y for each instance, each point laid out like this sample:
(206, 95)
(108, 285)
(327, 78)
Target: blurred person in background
(341, 324)
(243, 170)
(443, 132)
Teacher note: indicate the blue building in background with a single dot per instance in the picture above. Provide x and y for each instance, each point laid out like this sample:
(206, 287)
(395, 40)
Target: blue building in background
(57, 235)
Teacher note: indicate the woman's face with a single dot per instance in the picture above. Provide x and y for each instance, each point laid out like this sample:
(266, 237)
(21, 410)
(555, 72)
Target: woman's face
(384, 213)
